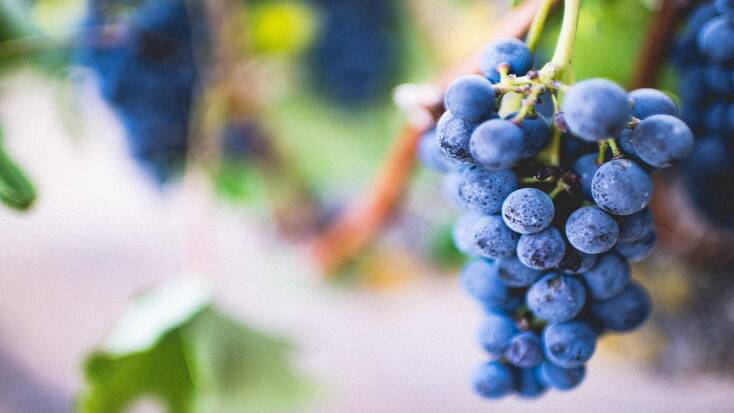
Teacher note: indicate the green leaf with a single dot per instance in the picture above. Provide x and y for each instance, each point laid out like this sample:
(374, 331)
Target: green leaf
(16, 191)
(191, 358)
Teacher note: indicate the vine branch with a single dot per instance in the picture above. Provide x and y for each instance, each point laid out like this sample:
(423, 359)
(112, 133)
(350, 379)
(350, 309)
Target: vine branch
(352, 231)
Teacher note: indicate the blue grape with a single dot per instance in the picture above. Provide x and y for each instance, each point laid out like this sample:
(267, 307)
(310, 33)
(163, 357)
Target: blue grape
(514, 273)
(556, 298)
(725, 7)
(513, 301)
(718, 79)
(431, 155)
(639, 249)
(625, 311)
(560, 378)
(525, 350)
(569, 344)
(496, 333)
(625, 144)
(717, 117)
(648, 102)
(621, 187)
(149, 76)
(471, 97)
(591, 230)
(482, 191)
(542, 250)
(479, 279)
(356, 55)
(662, 140)
(529, 383)
(493, 238)
(585, 167)
(609, 276)
(512, 52)
(528, 210)
(496, 144)
(493, 380)
(716, 40)
(450, 185)
(453, 136)
(576, 262)
(536, 133)
(463, 233)
(596, 109)
(635, 226)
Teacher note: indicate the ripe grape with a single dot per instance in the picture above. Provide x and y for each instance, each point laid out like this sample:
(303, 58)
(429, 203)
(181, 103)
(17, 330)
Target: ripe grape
(471, 98)
(596, 109)
(560, 378)
(585, 167)
(569, 345)
(592, 230)
(608, 277)
(453, 137)
(496, 144)
(542, 250)
(621, 187)
(662, 140)
(635, 226)
(482, 191)
(493, 238)
(515, 274)
(496, 333)
(556, 298)
(625, 311)
(648, 102)
(493, 380)
(640, 249)
(512, 52)
(529, 383)
(525, 350)
(528, 210)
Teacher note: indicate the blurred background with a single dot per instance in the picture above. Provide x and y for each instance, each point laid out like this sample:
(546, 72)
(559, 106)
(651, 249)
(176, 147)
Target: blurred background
(189, 158)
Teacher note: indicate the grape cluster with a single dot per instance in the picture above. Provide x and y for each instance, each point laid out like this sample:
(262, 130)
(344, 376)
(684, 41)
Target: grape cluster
(550, 245)
(355, 54)
(144, 60)
(704, 50)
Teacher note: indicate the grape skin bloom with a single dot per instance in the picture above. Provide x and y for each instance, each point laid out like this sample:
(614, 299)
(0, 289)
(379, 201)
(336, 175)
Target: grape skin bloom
(542, 250)
(528, 211)
(591, 230)
(621, 187)
(556, 298)
(496, 144)
(596, 109)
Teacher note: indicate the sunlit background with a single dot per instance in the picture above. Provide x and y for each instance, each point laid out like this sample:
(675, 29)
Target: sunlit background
(167, 258)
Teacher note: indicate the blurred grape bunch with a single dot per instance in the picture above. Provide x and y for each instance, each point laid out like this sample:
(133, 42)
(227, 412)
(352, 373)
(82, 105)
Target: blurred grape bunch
(143, 55)
(356, 51)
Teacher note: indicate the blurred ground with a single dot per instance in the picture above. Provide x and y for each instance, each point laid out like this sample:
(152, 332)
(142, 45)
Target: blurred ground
(100, 233)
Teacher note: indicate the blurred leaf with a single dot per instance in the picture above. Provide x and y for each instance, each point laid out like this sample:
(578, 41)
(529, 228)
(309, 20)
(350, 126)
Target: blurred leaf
(237, 181)
(190, 357)
(280, 27)
(16, 191)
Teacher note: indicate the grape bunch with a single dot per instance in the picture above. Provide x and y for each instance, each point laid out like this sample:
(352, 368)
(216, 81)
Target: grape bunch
(356, 52)
(144, 59)
(555, 208)
(704, 50)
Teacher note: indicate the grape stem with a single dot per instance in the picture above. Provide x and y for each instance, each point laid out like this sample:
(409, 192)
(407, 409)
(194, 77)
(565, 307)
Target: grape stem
(536, 27)
(560, 187)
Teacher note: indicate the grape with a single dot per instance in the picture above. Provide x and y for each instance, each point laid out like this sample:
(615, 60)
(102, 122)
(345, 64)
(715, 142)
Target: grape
(463, 233)
(450, 185)
(482, 191)
(648, 102)
(357, 53)
(621, 187)
(525, 350)
(556, 298)
(662, 140)
(512, 52)
(625, 311)
(635, 226)
(496, 144)
(591, 230)
(718, 79)
(640, 249)
(149, 76)
(479, 279)
(596, 109)
(609, 276)
(496, 333)
(716, 40)
(542, 250)
(453, 137)
(585, 167)
(725, 7)
(716, 117)
(560, 378)
(528, 211)
(493, 380)
(493, 238)
(576, 262)
(535, 133)
(515, 274)
(569, 344)
(471, 98)
(431, 155)
(529, 383)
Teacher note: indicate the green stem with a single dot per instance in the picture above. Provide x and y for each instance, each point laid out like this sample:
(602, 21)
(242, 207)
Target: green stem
(616, 153)
(602, 151)
(563, 54)
(536, 27)
(560, 187)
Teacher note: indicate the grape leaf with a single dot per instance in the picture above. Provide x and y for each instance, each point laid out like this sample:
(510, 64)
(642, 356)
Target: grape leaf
(191, 358)
(16, 190)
